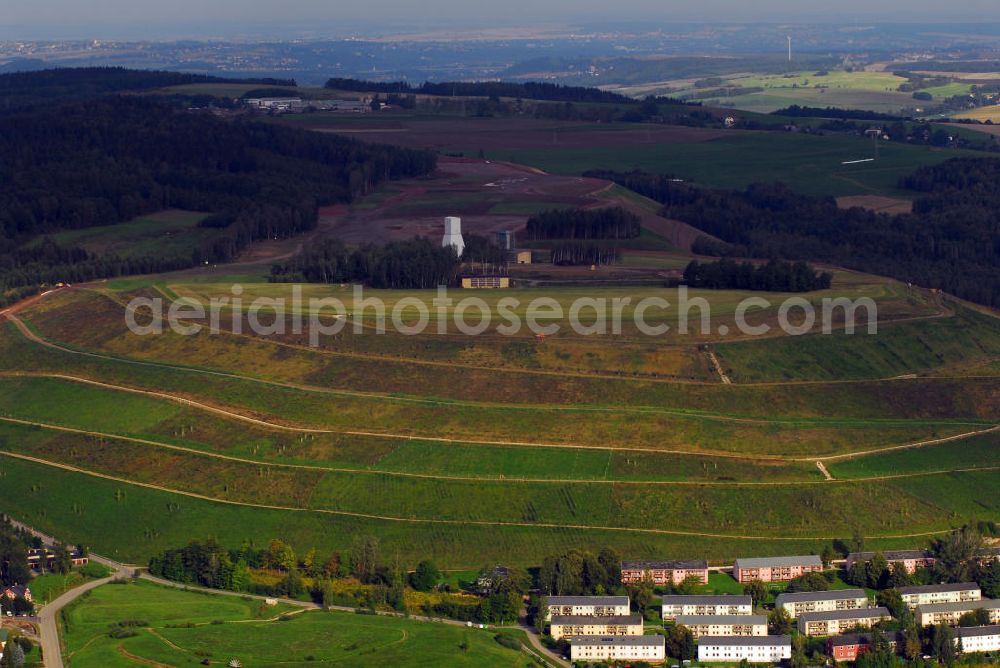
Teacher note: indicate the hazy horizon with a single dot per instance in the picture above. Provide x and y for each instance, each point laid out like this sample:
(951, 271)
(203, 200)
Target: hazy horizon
(123, 19)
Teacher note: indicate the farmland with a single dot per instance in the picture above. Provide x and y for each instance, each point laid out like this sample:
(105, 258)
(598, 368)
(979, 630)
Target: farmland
(707, 156)
(186, 627)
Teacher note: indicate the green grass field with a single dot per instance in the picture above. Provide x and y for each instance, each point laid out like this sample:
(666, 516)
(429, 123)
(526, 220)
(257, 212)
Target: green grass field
(808, 163)
(164, 234)
(185, 628)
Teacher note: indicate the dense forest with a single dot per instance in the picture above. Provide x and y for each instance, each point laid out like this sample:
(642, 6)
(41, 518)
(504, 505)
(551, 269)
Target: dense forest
(526, 91)
(950, 241)
(775, 276)
(606, 223)
(19, 89)
(417, 263)
(582, 253)
(111, 159)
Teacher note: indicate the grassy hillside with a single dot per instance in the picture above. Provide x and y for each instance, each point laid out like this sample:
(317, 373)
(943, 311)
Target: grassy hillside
(185, 627)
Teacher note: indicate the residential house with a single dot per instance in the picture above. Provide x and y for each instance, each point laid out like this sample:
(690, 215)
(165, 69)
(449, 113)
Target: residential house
(651, 649)
(800, 602)
(16, 591)
(911, 560)
(587, 606)
(940, 593)
(755, 649)
(664, 572)
(849, 647)
(583, 625)
(706, 605)
(775, 569)
(40, 559)
(837, 621)
(724, 625)
(950, 613)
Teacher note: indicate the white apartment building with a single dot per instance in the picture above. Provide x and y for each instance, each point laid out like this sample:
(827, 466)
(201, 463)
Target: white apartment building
(755, 649)
(674, 606)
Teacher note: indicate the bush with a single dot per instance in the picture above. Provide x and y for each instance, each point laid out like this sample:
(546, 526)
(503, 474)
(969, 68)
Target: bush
(510, 642)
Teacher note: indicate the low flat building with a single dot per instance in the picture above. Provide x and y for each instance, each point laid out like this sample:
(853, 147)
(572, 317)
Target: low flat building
(587, 606)
(941, 593)
(911, 560)
(485, 282)
(838, 621)
(755, 649)
(651, 649)
(724, 625)
(797, 603)
(42, 559)
(978, 639)
(775, 569)
(582, 625)
(664, 572)
(849, 647)
(706, 605)
(950, 613)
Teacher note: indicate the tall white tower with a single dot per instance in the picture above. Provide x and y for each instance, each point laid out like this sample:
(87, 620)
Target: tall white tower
(453, 234)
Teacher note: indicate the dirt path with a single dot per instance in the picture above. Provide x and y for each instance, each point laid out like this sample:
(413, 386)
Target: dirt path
(718, 368)
(514, 479)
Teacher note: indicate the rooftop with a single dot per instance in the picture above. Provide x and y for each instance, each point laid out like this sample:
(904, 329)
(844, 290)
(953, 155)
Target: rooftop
(972, 631)
(862, 638)
(691, 620)
(690, 565)
(832, 595)
(771, 562)
(629, 620)
(890, 555)
(653, 641)
(588, 600)
(725, 599)
(928, 589)
(961, 606)
(860, 613)
(744, 641)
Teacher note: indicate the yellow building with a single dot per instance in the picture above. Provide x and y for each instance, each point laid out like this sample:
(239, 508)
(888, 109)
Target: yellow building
(586, 625)
(474, 282)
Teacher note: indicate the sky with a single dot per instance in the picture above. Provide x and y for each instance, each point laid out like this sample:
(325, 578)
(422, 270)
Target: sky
(146, 18)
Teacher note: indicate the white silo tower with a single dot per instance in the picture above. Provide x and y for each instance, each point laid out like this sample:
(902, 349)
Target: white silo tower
(453, 234)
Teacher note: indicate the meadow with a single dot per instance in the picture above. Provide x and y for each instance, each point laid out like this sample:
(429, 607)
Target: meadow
(810, 164)
(171, 233)
(186, 628)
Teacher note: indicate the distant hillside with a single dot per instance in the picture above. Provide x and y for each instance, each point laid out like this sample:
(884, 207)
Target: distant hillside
(22, 88)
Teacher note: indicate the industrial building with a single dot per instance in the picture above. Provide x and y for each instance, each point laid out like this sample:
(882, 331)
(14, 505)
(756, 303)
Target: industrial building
(453, 235)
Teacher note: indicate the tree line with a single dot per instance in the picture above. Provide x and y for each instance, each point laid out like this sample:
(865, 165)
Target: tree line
(413, 264)
(111, 159)
(604, 223)
(775, 276)
(19, 89)
(529, 90)
(948, 242)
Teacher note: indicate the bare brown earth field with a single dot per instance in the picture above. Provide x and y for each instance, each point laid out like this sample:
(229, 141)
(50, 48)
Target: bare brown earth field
(509, 133)
(876, 203)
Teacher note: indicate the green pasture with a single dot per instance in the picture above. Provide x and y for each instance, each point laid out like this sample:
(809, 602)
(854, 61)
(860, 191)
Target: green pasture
(183, 628)
(808, 163)
(164, 234)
